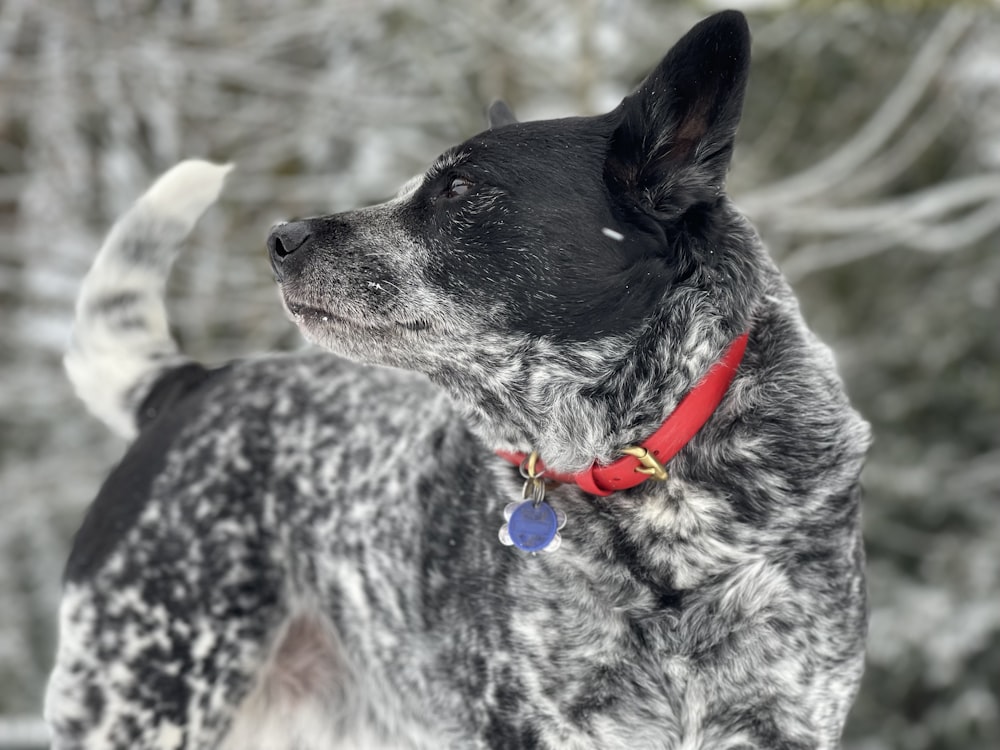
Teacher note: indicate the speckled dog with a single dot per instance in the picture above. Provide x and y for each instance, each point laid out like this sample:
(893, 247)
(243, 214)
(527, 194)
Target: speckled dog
(308, 552)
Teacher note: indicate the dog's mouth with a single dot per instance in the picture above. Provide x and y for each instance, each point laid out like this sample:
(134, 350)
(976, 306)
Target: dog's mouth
(308, 315)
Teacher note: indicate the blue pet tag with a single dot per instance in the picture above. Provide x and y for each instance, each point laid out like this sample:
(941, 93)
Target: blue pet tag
(532, 524)
(532, 527)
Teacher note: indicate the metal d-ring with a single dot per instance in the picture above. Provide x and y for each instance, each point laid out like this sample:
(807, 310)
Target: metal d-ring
(534, 484)
(529, 465)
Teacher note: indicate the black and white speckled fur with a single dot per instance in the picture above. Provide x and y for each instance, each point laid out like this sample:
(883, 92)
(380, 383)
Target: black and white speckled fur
(301, 551)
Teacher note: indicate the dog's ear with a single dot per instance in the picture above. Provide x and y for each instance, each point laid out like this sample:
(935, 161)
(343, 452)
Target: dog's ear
(674, 136)
(499, 114)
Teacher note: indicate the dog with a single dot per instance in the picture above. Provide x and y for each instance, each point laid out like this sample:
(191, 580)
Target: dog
(580, 477)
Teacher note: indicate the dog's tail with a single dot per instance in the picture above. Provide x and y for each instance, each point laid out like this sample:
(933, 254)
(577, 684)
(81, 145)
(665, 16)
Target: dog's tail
(121, 341)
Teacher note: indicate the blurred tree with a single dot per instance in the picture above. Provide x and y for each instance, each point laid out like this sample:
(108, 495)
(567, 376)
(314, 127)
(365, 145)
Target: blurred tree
(869, 157)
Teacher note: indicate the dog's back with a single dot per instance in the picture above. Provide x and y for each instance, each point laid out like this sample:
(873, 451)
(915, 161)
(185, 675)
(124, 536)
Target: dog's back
(302, 552)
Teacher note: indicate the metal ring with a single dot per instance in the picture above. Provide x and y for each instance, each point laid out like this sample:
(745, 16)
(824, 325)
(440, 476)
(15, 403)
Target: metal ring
(534, 490)
(528, 466)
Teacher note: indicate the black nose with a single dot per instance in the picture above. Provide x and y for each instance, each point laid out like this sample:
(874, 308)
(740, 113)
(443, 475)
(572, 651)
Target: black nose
(284, 240)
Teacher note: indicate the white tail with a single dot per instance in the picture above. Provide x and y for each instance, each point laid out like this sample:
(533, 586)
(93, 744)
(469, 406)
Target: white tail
(121, 341)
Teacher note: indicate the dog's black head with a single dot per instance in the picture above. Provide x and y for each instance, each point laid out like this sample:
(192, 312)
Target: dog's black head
(578, 236)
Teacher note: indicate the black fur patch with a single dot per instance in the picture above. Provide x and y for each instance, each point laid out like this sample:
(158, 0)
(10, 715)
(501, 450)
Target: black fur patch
(168, 409)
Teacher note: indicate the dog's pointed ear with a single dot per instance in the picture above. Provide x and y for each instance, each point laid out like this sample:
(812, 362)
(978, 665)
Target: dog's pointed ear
(499, 114)
(673, 141)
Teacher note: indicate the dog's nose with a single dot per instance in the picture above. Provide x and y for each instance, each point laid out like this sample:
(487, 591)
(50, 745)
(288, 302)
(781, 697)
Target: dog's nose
(285, 239)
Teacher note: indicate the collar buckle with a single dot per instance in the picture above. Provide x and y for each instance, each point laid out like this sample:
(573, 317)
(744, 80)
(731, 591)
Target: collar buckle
(649, 465)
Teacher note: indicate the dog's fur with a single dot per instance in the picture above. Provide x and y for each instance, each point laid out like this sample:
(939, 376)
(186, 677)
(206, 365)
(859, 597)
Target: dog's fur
(301, 552)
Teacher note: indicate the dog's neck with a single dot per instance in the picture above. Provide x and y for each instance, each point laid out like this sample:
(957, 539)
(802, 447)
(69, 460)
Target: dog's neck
(643, 462)
(579, 405)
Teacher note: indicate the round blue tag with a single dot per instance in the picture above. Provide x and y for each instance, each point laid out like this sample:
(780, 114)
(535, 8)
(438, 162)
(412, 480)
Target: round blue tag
(532, 528)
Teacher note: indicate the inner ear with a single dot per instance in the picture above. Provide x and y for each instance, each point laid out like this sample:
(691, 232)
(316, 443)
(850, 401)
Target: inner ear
(674, 136)
(499, 114)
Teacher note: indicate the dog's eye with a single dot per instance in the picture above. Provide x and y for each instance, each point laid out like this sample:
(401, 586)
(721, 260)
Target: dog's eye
(457, 188)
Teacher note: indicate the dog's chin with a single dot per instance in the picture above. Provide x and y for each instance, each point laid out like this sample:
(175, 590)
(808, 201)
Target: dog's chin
(312, 319)
(362, 338)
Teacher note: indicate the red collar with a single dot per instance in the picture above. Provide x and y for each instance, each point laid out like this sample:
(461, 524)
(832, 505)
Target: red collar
(682, 425)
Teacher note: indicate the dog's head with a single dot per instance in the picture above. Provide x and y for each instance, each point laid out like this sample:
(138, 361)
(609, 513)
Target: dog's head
(553, 245)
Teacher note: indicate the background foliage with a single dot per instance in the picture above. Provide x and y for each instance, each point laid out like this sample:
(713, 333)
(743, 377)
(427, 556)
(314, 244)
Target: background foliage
(869, 158)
